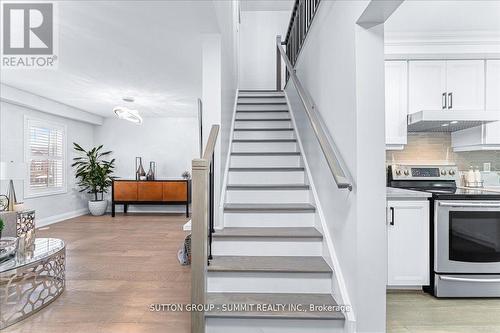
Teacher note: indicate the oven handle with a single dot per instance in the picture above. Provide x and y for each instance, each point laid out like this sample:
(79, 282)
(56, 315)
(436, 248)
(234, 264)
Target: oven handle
(472, 204)
(458, 279)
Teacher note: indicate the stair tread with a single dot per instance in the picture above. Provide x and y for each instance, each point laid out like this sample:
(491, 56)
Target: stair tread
(259, 111)
(263, 129)
(273, 232)
(267, 153)
(271, 264)
(262, 103)
(264, 119)
(274, 298)
(265, 169)
(264, 140)
(260, 96)
(269, 187)
(268, 207)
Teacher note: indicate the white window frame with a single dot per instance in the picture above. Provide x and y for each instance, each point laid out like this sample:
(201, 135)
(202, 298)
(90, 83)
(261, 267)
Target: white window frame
(34, 193)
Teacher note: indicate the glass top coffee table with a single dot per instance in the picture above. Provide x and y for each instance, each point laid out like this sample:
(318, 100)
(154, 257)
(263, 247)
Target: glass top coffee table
(31, 279)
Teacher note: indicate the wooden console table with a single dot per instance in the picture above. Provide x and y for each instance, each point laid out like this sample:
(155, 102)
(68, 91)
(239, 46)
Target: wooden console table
(151, 192)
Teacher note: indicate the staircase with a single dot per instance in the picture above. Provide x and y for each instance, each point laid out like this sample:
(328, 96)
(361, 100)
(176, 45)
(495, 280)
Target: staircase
(269, 251)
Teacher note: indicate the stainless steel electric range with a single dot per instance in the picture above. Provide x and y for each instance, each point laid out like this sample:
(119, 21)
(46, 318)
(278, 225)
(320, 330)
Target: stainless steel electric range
(465, 231)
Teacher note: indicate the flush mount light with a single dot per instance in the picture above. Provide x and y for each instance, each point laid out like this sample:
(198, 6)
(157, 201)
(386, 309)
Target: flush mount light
(127, 114)
(128, 99)
(445, 125)
(454, 122)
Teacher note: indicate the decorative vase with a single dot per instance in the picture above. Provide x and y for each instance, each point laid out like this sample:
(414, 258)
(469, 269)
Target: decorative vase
(152, 171)
(140, 174)
(98, 208)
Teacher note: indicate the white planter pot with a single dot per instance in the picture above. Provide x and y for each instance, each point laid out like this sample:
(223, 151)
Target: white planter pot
(98, 208)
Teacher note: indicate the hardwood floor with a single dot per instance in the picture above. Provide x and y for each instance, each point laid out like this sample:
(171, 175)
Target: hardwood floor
(417, 312)
(116, 268)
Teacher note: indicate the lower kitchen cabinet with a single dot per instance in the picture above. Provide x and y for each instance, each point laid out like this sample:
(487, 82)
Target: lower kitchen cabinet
(408, 243)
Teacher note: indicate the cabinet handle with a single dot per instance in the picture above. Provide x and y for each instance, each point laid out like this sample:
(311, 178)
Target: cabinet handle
(392, 216)
(450, 97)
(443, 101)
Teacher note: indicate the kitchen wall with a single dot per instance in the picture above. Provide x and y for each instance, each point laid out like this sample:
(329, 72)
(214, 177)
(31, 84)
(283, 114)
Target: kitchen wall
(50, 208)
(436, 147)
(258, 47)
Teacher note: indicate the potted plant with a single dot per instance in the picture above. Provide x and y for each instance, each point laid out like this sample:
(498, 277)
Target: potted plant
(2, 225)
(94, 176)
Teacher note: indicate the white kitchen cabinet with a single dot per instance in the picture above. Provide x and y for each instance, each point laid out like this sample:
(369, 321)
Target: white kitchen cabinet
(396, 104)
(449, 84)
(408, 243)
(486, 137)
(465, 84)
(427, 84)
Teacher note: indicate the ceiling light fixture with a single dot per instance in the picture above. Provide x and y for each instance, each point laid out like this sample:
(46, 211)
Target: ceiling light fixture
(128, 99)
(445, 125)
(127, 114)
(454, 122)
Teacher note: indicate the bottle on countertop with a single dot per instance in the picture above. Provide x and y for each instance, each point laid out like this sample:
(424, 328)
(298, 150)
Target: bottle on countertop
(471, 176)
(477, 176)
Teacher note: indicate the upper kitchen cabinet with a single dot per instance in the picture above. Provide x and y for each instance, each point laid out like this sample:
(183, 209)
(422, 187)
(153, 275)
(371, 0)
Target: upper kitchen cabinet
(396, 104)
(450, 85)
(427, 84)
(486, 137)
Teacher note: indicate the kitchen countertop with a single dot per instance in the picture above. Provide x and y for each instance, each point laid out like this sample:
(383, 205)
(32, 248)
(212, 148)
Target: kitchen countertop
(399, 193)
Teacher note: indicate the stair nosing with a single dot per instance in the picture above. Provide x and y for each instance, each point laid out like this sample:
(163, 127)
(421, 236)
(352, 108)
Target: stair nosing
(263, 129)
(265, 169)
(265, 187)
(270, 232)
(292, 269)
(254, 96)
(268, 208)
(264, 119)
(265, 153)
(263, 140)
(260, 111)
(262, 103)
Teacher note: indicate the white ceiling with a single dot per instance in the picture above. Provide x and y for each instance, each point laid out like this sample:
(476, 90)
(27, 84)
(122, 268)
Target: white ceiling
(150, 50)
(266, 5)
(445, 16)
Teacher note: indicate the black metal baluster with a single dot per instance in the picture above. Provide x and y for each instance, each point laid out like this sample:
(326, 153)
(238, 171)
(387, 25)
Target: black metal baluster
(211, 210)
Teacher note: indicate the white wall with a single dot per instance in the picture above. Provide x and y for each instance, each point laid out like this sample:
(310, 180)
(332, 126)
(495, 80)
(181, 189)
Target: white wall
(341, 65)
(172, 142)
(258, 47)
(50, 208)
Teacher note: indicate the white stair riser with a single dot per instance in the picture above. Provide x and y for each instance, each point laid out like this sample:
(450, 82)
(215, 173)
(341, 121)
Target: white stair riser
(262, 115)
(267, 247)
(267, 196)
(263, 124)
(242, 99)
(266, 177)
(265, 107)
(266, 161)
(245, 325)
(240, 147)
(264, 135)
(249, 220)
(265, 282)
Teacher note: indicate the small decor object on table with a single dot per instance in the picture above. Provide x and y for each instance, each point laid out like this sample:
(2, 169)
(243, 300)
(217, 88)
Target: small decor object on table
(140, 174)
(186, 175)
(94, 174)
(8, 247)
(4, 203)
(152, 171)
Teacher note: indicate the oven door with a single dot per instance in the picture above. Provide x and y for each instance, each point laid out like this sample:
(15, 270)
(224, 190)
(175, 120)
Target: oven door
(467, 237)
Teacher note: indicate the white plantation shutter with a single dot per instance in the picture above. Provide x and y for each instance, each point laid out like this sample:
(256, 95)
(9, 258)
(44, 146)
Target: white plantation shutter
(45, 156)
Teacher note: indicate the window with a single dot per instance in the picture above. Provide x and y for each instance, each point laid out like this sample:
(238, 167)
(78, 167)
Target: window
(45, 158)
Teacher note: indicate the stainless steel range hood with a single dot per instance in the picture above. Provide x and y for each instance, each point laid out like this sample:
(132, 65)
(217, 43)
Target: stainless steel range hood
(449, 121)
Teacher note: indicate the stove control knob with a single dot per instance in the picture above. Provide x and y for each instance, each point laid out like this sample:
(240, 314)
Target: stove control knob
(443, 172)
(451, 172)
(407, 173)
(398, 172)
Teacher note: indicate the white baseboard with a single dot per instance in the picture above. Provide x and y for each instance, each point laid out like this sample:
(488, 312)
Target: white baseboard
(60, 217)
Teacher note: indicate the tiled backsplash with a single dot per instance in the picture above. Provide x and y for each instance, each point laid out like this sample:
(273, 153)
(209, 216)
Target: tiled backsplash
(436, 148)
